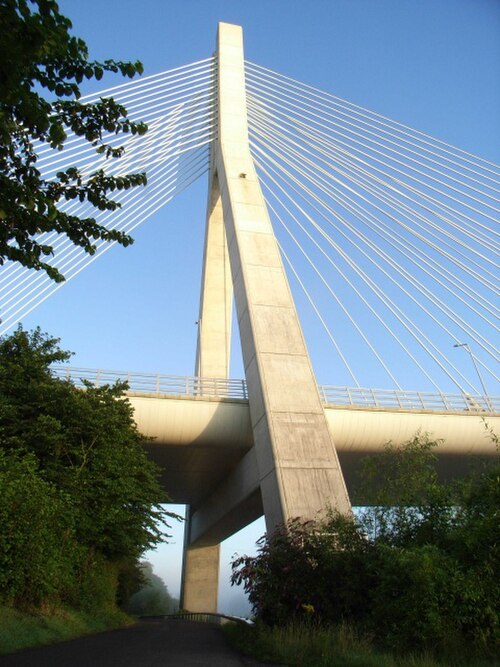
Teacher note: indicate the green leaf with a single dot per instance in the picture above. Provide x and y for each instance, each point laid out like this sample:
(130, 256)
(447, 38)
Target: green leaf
(41, 57)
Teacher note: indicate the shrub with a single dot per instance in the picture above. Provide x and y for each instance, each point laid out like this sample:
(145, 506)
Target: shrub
(79, 499)
(37, 547)
(417, 570)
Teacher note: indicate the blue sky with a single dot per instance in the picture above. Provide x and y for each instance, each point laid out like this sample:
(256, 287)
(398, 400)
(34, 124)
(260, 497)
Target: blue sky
(431, 64)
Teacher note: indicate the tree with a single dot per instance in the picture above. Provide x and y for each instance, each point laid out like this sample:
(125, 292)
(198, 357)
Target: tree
(38, 57)
(408, 505)
(78, 456)
(418, 569)
(153, 597)
(308, 570)
(37, 547)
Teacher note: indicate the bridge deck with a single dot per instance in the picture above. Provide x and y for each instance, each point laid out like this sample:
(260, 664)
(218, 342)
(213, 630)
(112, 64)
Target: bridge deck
(202, 436)
(198, 440)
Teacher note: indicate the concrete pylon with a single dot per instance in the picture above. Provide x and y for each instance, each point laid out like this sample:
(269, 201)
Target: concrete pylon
(214, 324)
(298, 469)
(200, 567)
(298, 465)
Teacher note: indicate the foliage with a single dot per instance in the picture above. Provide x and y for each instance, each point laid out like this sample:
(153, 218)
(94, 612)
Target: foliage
(79, 499)
(39, 58)
(20, 629)
(298, 568)
(416, 570)
(37, 546)
(153, 597)
(411, 506)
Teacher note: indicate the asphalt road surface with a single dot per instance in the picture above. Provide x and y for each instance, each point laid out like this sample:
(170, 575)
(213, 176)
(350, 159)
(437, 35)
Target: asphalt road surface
(152, 643)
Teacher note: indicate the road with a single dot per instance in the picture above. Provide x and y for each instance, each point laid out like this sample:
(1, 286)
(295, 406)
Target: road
(152, 643)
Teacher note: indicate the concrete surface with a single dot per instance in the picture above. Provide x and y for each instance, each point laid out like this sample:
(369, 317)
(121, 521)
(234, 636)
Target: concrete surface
(296, 457)
(161, 643)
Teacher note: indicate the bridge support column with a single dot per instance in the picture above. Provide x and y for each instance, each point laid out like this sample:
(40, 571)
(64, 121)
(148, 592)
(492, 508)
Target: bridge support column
(216, 302)
(296, 457)
(298, 469)
(200, 571)
(200, 577)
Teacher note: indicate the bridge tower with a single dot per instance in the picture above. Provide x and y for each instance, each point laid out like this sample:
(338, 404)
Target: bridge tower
(293, 468)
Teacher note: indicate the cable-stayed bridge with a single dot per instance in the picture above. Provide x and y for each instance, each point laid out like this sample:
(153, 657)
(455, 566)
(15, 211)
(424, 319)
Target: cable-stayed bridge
(387, 236)
(201, 429)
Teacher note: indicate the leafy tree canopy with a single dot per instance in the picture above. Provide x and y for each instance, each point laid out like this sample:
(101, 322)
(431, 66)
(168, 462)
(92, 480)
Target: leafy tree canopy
(153, 598)
(74, 475)
(39, 58)
(418, 570)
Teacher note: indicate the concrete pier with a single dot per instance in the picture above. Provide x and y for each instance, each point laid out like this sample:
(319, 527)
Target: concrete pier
(294, 454)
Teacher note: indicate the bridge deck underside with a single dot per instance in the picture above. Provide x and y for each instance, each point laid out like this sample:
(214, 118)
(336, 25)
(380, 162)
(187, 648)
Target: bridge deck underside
(205, 449)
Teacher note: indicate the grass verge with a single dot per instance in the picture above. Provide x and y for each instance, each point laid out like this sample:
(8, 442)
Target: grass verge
(19, 630)
(307, 646)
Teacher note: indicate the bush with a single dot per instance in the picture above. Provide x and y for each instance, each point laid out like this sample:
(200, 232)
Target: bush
(38, 552)
(308, 570)
(412, 601)
(417, 570)
(79, 499)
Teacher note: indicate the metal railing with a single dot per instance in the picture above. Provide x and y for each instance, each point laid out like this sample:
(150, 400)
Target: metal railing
(412, 400)
(180, 385)
(176, 385)
(207, 617)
